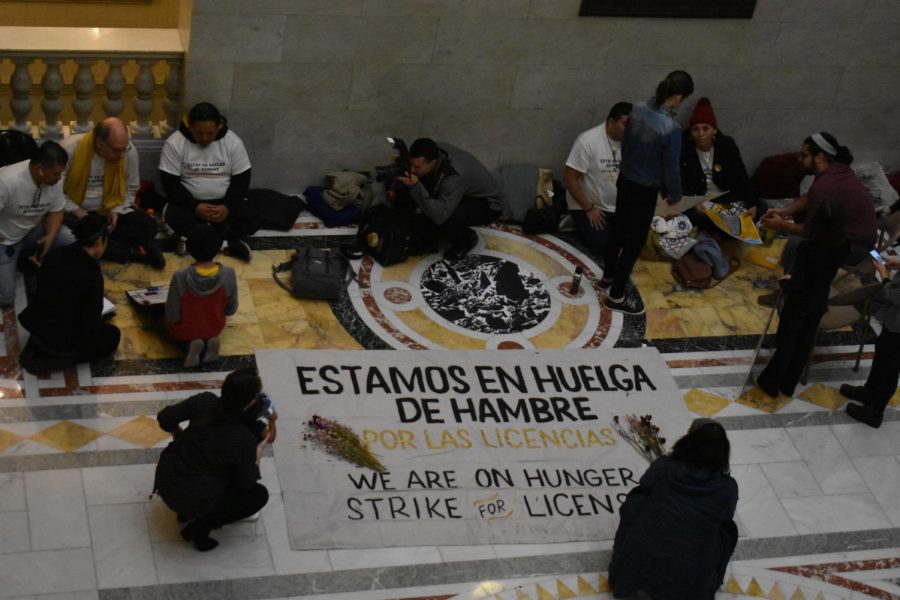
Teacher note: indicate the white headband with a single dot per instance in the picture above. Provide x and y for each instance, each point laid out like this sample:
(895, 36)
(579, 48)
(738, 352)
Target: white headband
(822, 143)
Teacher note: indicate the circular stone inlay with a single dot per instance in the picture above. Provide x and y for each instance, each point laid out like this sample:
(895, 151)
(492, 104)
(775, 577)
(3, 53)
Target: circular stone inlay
(485, 294)
(509, 345)
(397, 295)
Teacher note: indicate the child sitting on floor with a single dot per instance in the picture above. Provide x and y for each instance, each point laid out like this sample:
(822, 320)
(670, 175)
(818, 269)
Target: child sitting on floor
(200, 297)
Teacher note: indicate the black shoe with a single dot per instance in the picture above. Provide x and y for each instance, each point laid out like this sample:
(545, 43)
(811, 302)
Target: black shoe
(149, 255)
(768, 300)
(628, 305)
(604, 284)
(459, 249)
(858, 393)
(198, 534)
(866, 414)
(239, 249)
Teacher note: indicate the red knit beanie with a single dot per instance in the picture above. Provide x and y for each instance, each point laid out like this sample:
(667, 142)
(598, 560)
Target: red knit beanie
(703, 113)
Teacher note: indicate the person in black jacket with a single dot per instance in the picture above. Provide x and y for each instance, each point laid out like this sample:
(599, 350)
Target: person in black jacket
(209, 473)
(205, 171)
(805, 291)
(677, 533)
(65, 318)
(711, 163)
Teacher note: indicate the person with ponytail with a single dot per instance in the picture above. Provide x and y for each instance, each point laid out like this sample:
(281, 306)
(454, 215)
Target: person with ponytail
(835, 181)
(650, 165)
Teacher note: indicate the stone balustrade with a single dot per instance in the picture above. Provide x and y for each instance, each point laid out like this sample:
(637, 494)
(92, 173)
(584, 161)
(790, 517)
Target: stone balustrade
(88, 73)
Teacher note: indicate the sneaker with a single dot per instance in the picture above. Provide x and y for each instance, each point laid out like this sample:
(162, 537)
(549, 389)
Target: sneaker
(865, 414)
(459, 249)
(239, 249)
(628, 306)
(193, 356)
(181, 247)
(604, 284)
(149, 255)
(212, 350)
(768, 300)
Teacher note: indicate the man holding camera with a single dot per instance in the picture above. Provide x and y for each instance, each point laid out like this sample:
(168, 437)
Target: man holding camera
(454, 190)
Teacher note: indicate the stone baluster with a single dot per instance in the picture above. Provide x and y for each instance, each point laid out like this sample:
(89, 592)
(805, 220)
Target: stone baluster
(115, 85)
(83, 105)
(144, 83)
(20, 102)
(52, 84)
(172, 103)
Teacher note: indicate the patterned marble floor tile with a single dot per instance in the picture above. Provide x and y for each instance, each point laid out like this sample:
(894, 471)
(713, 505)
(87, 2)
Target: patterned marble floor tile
(8, 439)
(756, 398)
(66, 436)
(143, 431)
(824, 396)
(705, 403)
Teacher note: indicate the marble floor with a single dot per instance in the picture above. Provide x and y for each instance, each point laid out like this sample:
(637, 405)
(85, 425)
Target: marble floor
(819, 509)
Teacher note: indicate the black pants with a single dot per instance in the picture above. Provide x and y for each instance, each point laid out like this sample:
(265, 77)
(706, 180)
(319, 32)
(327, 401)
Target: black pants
(133, 229)
(882, 380)
(43, 356)
(794, 342)
(595, 239)
(241, 222)
(635, 205)
(235, 504)
(471, 211)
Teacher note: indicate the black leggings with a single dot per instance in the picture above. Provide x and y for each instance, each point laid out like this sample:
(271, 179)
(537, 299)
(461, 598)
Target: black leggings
(635, 205)
(234, 505)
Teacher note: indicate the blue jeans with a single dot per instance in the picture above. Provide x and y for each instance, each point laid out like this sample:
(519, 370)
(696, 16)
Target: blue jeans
(11, 255)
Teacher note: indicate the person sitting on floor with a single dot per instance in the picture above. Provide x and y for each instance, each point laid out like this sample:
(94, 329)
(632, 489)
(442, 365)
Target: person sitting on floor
(677, 530)
(822, 156)
(209, 473)
(711, 164)
(31, 214)
(590, 177)
(102, 177)
(454, 190)
(205, 173)
(200, 297)
(806, 288)
(65, 318)
(881, 385)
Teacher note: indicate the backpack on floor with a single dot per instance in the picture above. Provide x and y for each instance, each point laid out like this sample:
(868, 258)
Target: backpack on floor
(316, 273)
(15, 147)
(692, 272)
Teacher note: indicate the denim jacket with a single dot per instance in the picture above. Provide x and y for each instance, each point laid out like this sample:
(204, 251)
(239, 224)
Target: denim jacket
(651, 149)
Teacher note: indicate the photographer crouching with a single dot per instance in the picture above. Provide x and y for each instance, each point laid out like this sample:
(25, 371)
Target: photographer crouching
(209, 473)
(454, 190)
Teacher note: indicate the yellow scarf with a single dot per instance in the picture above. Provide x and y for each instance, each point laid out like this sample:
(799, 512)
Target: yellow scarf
(114, 184)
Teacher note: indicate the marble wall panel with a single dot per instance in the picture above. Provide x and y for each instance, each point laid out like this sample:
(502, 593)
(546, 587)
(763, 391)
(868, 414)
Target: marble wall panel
(233, 38)
(692, 42)
(571, 41)
(338, 131)
(480, 41)
(302, 7)
(257, 129)
(286, 86)
(209, 82)
(865, 87)
(431, 87)
(837, 44)
(555, 9)
(507, 9)
(335, 39)
(216, 7)
(882, 11)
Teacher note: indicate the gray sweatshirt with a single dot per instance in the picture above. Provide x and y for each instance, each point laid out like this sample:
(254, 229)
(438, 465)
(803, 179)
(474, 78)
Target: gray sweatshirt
(463, 177)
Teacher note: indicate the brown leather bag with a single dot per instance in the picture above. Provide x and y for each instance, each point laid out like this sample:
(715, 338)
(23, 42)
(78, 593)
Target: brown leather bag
(692, 272)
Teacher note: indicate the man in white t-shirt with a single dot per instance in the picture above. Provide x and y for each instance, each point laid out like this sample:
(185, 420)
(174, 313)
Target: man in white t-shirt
(102, 177)
(31, 213)
(205, 172)
(590, 177)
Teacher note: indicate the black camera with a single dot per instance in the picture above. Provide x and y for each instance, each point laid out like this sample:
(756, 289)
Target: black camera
(400, 167)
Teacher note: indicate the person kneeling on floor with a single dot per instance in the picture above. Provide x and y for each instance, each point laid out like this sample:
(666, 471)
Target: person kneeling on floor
(65, 318)
(209, 473)
(200, 297)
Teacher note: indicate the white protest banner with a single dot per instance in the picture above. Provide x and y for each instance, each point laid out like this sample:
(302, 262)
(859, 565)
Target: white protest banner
(480, 447)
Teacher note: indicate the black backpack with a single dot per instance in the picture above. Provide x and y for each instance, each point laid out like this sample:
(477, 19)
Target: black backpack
(15, 147)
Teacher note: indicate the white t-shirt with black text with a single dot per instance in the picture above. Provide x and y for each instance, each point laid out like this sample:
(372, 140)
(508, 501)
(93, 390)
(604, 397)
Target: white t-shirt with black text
(204, 172)
(598, 157)
(93, 193)
(23, 204)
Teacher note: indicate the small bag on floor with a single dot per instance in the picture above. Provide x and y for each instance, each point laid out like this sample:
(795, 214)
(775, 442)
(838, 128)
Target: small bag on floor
(316, 273)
